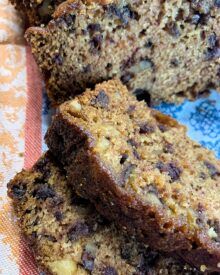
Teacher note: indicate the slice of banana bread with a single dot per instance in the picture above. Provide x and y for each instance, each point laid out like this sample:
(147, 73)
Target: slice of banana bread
(140, 169)
(163, 50)
(36, 12)
(69, 237)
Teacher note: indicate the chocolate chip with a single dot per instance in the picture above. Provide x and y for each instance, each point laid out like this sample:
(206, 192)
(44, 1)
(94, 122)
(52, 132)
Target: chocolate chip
(101, 100)
(200, 215)
(124, 157)
(43, 192)
(56, 201)
(60, 21)
(212, 40)
(174, 171)
(58, 216)
(142, 94)
(36, 221)
(146, 128)
(136, 154)
(102, 221)
(172, 29)
(204, 19)
(18, 191)
(27, 211)
(130, 61)
(76, 200)
(216, 225)
(131, 109)
(168, 148)
(43, 166)
(125, 14)
(126, 172)
(95, 27)
(50, 238)
(109, 270)
(96, 43)
(213, 171)
(202, 175)
(127, 77)
(149, 44)
(218, 72)
(174, 62)
(142, 33)
(147, 260)
(70, 19)
(88, 260)
(58, 59)
(40, 180)
(152, 189)
(132, 142)
(203, 93)
(171, 168)
(87, 69)
(180, 15)
(213, 51)
(163, 128)
(127, 251)
(84, 32)
(203, 35)
(79, 229)
(108, 66)
(134, 145)
(34, 235)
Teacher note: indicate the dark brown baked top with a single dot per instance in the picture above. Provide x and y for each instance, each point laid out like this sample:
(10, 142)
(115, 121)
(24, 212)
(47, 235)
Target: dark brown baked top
(160, 49)
(40, 12)
(36, 12)
(68, 236)
(139, 167)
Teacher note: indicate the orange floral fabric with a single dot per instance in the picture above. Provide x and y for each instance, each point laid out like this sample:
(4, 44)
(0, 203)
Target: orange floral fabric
(15, 109)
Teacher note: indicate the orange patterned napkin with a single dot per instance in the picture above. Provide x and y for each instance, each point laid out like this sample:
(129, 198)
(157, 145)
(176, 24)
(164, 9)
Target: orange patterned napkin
(20, 132)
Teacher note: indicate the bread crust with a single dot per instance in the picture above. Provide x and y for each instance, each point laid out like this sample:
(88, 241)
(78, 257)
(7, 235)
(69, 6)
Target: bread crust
(73, 142)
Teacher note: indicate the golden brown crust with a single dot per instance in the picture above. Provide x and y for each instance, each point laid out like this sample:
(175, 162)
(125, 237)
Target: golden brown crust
(70, 5)
(65, 7)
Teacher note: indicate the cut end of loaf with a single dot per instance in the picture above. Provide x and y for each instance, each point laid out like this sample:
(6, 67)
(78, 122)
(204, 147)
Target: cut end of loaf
(140, 164)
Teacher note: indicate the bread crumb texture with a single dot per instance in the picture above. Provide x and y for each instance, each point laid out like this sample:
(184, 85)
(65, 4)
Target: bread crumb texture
(139, 168)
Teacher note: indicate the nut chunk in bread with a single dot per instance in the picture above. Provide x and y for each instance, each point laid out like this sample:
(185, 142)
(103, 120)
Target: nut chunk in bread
(67, 235)
(140, 169)
(162, 50)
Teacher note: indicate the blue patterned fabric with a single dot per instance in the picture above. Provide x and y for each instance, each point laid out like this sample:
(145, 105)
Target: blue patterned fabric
(202, 118)
(47, 113)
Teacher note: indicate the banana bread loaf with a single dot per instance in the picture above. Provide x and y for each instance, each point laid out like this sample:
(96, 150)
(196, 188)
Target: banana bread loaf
(162, 50)
(69, 238)
(140, 169)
